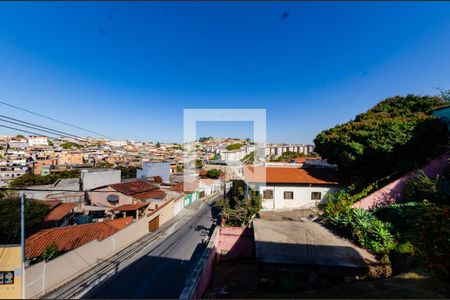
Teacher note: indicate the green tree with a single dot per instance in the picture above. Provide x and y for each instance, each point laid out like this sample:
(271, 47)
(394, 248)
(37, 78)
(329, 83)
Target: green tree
(158, 145)
(232, 147)
(35, 214)
(103, 164)
(213, 173)
(395, 136)
(127, 172)
(31, 179)
(199, 163)
(50, 143)
(240, 210)
(20, 136)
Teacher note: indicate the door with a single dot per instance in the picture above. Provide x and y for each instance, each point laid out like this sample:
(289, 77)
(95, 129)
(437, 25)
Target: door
(153, 224)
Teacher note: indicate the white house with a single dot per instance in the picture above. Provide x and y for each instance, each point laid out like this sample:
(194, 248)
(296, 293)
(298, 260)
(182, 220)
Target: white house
(290, 188)
(35, 140)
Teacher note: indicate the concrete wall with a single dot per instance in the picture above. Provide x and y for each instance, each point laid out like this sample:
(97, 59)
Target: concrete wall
(302, 196)
(393, 191)
(43, 277)
(91, 179)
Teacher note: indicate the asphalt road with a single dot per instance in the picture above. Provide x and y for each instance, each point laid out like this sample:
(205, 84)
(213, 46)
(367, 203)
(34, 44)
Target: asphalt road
(160, 270)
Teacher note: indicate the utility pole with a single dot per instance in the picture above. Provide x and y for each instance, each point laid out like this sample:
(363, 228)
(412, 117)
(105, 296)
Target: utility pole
(22, 241)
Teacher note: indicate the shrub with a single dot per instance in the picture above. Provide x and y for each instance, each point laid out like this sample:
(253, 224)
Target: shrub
(213, 173)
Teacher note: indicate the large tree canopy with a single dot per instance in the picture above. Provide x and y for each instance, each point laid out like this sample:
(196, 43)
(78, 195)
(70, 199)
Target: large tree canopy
(395, 136)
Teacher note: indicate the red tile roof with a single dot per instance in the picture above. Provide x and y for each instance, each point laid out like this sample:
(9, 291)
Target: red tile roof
(134, 187)
(150, 195)
(157, 179)
(52, 203)
(60, 211)
(188, 187)
(291, 175)
(72, 237)
(130, 207)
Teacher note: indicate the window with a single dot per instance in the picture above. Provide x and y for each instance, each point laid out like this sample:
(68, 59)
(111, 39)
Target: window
(316, 196)
(268, 194)
(289, 195)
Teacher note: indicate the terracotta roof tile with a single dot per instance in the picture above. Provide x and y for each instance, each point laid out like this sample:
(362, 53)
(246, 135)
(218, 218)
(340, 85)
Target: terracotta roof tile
(134, 187)
(52, 203)
(60, 211)
(150, 195)
(72, 237)
(188, 187)
(291, 175)
(130, 207)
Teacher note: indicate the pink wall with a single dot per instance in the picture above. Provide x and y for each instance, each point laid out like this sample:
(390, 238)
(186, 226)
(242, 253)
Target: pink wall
(235, 242)
(392, 192)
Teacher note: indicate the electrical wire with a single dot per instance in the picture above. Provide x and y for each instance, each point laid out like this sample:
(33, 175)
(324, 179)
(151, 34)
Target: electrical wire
(55, 120)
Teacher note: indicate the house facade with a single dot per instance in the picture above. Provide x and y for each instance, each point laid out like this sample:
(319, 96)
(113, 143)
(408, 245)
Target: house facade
(291, 188)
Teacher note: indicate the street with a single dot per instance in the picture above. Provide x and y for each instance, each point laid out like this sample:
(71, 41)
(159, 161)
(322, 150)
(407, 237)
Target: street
(161, 270)
(155, 266)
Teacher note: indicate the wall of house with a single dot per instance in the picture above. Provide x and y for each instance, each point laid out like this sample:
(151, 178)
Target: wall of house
(99, 197)
(44, 277)
(302, 196)
(392, 192)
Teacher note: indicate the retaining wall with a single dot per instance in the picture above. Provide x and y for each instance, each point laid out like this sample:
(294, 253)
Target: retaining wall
(392, 192)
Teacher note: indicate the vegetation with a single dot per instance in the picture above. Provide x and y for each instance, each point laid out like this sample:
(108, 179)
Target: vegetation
(199, 163)
(436, 190)
(103, 164)
(50, 143)
(127, 172)
(179, 169)
(204, 139)
(216, 157)
(31, 179)
(235, 146)
(70, 145)
(50, 252)
(35, 214)
(395, 136)
(239, 211)
(356, 224)
(213, 173)
(20, 136)
(249, 158)
(158, 145)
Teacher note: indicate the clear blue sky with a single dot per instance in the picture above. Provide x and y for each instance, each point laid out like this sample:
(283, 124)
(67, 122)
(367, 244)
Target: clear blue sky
(129, 69)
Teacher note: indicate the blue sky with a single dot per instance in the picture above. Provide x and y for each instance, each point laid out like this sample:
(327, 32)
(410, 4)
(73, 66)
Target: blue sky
(129, 69)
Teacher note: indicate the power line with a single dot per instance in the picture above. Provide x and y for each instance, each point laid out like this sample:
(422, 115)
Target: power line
(55, 120)
(57, 131)
(23, 130)
(36, 128)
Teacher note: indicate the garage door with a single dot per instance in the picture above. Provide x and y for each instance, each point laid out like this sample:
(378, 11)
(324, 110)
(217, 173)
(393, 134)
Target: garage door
(153, 224)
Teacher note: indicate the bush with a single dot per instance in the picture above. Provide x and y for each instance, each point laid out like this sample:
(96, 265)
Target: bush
(213, 173)
(365, 229)
(422, 187)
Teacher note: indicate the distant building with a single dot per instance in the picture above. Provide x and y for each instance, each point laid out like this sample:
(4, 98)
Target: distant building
(117, 143)
(36, 140)
(150, 169)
